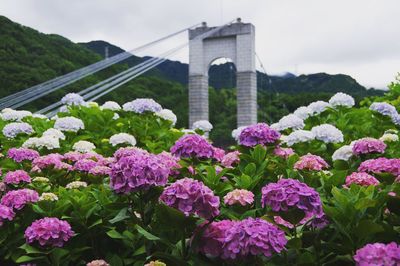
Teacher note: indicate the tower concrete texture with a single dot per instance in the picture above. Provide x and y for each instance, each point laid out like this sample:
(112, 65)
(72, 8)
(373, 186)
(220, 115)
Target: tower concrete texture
(236, 42)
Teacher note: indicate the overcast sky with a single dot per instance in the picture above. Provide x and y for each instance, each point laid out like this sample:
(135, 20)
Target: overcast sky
(360, 38)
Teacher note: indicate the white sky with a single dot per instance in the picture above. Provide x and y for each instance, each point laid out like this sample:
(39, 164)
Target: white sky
(360, 38)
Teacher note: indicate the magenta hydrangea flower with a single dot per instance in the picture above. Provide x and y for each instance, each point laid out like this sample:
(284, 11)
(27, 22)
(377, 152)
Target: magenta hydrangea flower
(6, 213)
(256, 134)
(191, 197)
(139, 171)
(17, 199)
(361, 179)
(85, 165)
(252, 237)
(213, 238)
(219, 154)
(51, 160)
(230, 159)
(21, 154)
(368, 145)
(287, 194)
(239, 196)
(378, 254)
(311, 162)
(193, 145)
(16, 177)
(170, 161)
(49, 231)
(283, 152)
(381, 165)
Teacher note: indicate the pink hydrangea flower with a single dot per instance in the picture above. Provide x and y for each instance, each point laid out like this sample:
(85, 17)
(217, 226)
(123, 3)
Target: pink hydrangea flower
(51, 160)
(6, 213)
(191, 197)
(98, 263)
(381, 165)
(218, 154)
(361, 179)
(378, 254)
(17, 199)
(49, 231)
(100, 170)
(368, 145)
(283, 152)
(85, 165)
(21, 154)
(16, 177)
(230, 159)
(311, 162)
(239, 196)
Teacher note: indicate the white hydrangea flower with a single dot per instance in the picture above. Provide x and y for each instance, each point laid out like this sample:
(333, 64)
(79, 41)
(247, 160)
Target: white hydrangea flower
(122, 138)
(318, 107)
(76, 184)
(110, 105)
(5, 110)
(49, 142)
(275, 126)
(48, 196)
(14, 115)
(202, 125)
(55, 133)
(327, 133)
(40, 179)
(303, 112)
(40, 116)
(72, 99)
(64, 109)
(389, 137)
(116, 116)
(299, 136)
(236, 132)
(290, 122)
(343, 153)
(167, 114)
(83, 146)
(341, 99)
(69, 123)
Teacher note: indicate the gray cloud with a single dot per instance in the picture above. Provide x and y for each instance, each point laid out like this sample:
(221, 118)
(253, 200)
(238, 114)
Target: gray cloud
(358, 37)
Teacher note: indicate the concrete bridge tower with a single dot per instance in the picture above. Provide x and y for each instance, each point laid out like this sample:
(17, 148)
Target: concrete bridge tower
(236, 42)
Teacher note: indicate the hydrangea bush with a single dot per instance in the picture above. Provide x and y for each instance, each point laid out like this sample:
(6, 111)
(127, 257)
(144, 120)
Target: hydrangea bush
(111, 185)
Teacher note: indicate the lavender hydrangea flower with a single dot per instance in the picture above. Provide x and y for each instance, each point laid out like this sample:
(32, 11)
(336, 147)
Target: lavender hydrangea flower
(142, 105)
(341, 99)
(21, 154)
(318, 107)
(327, 133)
(378, 254)
(72, 99)
(256, 134)
(16, 177)
(193, 146)
(290, 193)
(14, 129)
(191, 197)
(368, 145)
(14, 115)
(17, 199)
(252, 237)
(49, 231)
(138, 171)
(383, 108)
(69, 124)
(6, 213)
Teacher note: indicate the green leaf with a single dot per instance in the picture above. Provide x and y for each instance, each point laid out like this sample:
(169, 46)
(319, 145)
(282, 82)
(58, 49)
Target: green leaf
(120, 216)
(146, 234)
(27, 259)
(99, 221)
(30, 250)
(114, 234)
(366, 228)
(294, 243)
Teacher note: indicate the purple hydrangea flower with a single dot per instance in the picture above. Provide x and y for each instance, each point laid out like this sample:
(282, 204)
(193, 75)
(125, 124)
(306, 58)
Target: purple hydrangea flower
(381, 165)
(193, 146)
(85, 165)
(191, 197)
(49, 232)
(16, 177)
(21, 154)
(290, 193)
(252, 237)
(6, 213)
(256, 134)
(378, 254)
(17, 199)
(368, 145)
(13, 129)
(142, 105)
(138, 171)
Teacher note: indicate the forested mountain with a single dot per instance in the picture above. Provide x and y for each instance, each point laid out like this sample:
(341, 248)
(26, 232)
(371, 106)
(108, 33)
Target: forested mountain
(28, 57)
